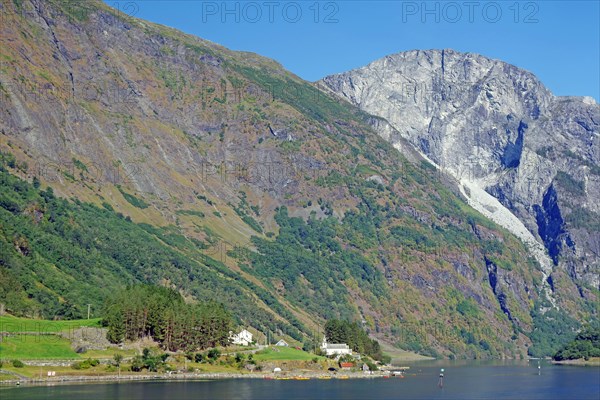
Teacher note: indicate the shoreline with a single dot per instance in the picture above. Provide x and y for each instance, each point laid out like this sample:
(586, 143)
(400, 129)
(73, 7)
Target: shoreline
(595, 362)
(75, 379)
(22, 381)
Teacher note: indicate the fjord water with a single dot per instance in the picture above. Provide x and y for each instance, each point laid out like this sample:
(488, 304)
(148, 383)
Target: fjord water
(462, 380)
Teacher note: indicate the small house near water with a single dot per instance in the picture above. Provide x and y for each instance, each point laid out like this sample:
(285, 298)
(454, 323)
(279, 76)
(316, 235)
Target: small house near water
(333, 349)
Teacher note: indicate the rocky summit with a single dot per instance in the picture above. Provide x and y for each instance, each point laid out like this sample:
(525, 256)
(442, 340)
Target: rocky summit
(132, 153)
(525, 158)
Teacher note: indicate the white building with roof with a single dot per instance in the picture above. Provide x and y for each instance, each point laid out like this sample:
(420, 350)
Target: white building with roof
(334, 349)
(244, 338)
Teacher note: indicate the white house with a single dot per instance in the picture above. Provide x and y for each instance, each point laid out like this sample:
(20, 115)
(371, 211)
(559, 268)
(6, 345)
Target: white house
(244, 338)
(331, 349)
(282, 343)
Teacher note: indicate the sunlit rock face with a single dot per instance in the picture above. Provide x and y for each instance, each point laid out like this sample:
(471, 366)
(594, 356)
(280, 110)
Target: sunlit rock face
(495, 126)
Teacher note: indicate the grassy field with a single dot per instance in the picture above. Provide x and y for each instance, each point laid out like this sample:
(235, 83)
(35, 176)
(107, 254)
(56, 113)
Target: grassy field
(103, 370)
(284, 353)
(109, 353)
(29, 347)
(401, 356)
(9, 323)
(36, 347)
(37, 372)
(6, 377)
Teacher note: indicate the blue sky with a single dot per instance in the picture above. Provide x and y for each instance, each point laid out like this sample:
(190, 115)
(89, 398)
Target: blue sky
(559, 41)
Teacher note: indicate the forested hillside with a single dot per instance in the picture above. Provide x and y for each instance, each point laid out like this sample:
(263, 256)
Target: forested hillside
(586, 345)
(57, 256)
(225, 177)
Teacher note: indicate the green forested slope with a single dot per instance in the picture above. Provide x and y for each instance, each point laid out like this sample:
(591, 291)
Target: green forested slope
(227, 178)
(57, 256)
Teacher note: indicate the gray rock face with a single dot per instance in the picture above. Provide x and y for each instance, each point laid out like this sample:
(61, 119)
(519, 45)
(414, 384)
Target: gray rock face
(499, 132)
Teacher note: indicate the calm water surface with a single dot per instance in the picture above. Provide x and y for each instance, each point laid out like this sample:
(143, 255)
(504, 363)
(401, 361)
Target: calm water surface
(463, 380)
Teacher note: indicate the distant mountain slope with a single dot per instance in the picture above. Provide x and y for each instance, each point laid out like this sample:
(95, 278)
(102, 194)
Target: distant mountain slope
(58, 256)
(495, 127)
(281, 200)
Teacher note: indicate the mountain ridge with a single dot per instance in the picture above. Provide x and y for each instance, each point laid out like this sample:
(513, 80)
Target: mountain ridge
(584, 98)
(510, 91)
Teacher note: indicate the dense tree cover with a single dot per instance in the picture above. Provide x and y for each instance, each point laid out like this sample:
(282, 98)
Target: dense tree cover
(85, 364)
(150, 360)
(160, 313)
(553, 329)
(308, 252)
(585, 345)
(351, 333)
(57, 256)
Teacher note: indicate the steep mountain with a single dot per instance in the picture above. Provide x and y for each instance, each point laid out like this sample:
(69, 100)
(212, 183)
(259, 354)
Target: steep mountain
(516, 149)
(132, 152)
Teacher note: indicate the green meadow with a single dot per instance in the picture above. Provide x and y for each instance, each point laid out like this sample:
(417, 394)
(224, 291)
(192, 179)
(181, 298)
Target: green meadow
(44, 344)
(284, 353)
(36, 347)
(8, 323)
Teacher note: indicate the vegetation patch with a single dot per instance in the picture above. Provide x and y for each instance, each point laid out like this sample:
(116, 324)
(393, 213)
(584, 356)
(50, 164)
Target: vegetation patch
(243, 211)
(131, 199)
(9, 323)
(553, 330)
(194, 213)
(282, 353)
(76, 11)
(351, 333)
(36, 347)
(85, 364)
(586, 345)
(160, 313)
(570, 184)
(309, 261)
(583, 218)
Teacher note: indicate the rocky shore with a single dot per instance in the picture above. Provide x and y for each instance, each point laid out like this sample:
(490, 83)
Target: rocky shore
(290, 375)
